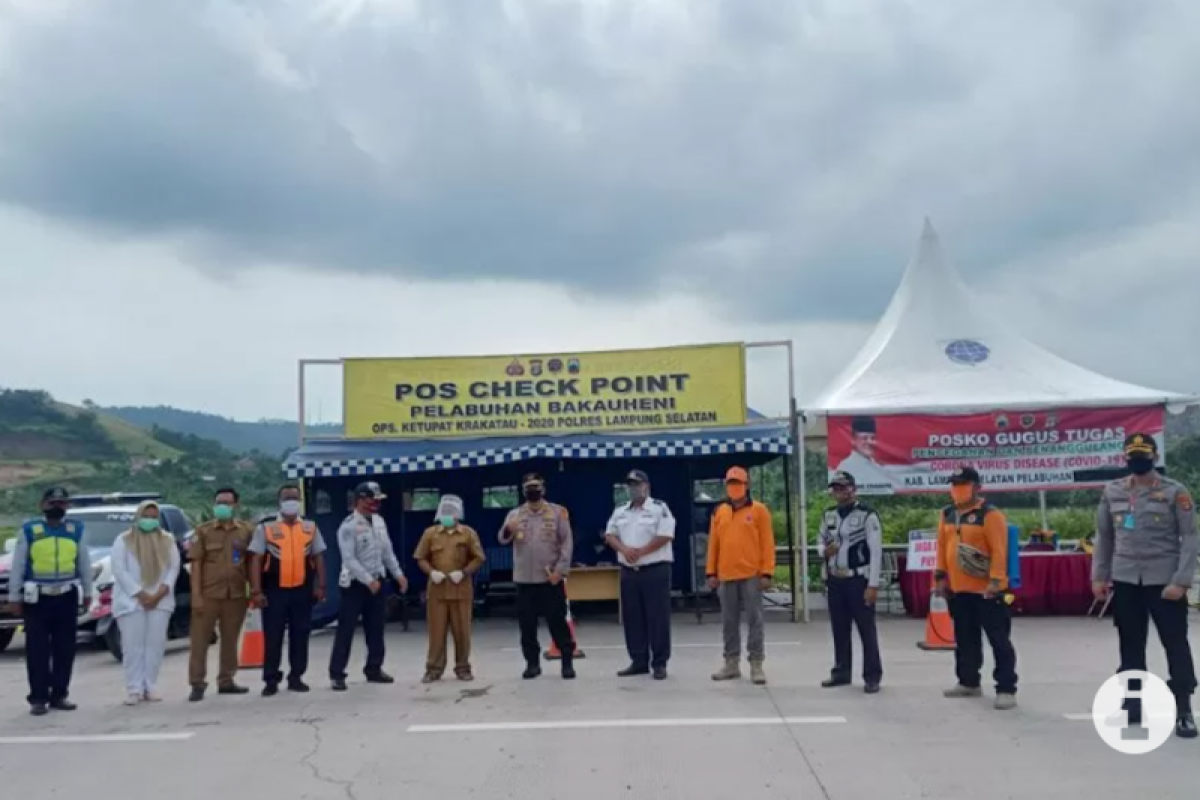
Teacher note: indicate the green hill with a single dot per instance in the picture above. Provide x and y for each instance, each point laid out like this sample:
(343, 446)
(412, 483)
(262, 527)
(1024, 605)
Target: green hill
(273, 437)
(43, 441)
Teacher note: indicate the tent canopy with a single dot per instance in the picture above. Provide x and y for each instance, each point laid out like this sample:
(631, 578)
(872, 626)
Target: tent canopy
(938, 349)
(346, 457)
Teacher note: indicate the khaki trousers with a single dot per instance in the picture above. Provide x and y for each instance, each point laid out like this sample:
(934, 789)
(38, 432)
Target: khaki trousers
(454, 615)
(228, 616)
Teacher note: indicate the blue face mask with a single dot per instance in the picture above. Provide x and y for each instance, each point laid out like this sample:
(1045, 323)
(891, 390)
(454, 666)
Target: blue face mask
(446, 521)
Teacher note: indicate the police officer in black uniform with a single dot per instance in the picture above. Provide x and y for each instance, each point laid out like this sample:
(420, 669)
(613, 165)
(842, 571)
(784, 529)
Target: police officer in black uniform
(49, 583)
(1146, 548)
(852, 543)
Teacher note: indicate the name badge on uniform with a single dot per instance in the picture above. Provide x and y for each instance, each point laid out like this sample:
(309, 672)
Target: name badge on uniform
(237, 555)
(1129, 523)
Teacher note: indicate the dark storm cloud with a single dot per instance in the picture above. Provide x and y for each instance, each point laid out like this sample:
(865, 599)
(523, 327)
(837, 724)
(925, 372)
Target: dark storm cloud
(794, 146)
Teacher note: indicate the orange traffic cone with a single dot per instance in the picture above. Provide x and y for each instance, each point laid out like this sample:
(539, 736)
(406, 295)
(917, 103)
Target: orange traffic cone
(553, 654)
(254, 645)
(939, 628)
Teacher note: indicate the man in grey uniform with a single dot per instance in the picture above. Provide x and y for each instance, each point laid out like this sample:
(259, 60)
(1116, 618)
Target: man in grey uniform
(367, 561)
(540, 534)
(1146, 546)
(852, 538)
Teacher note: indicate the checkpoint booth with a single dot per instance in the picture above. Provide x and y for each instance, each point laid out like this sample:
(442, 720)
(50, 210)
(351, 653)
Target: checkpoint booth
(472, 426)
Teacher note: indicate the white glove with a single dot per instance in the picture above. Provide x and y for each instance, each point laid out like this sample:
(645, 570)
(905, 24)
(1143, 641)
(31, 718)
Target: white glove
(456, 576)
(437, 577)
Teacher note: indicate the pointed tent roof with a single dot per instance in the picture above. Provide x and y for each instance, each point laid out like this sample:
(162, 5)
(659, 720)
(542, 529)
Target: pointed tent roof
(937, 349)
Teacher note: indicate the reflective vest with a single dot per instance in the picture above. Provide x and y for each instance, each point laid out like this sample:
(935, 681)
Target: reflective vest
(850, 533)
(53, 551)
(289, 560)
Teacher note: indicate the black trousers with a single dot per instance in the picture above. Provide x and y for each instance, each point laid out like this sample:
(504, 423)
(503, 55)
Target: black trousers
(359, 603)
(646, 614)
(288, 611)
(547, 601)
(848, 609)
(974, 615)
(50, 646)
(1133, 607)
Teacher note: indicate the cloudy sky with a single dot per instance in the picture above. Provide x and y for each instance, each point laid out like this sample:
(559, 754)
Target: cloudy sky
(196, 193)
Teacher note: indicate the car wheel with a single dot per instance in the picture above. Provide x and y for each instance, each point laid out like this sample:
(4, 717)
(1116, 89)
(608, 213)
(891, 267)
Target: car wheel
(112, 640)
(6, 637)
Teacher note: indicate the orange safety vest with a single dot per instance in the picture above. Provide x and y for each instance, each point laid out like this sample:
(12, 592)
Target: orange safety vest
(289, 558)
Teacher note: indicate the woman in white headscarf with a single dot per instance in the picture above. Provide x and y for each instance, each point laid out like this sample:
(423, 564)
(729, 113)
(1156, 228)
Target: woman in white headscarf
(145, 564)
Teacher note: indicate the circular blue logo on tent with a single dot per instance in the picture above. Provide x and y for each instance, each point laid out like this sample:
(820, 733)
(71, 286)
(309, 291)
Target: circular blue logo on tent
(967, 351)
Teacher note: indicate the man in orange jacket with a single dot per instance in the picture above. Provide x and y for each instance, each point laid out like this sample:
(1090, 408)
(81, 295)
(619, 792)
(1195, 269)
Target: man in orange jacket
(972, 572)
(741, 564)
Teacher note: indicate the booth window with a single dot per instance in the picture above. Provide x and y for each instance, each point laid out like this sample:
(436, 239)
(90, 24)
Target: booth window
(422, 500)
(501, 497)
(708, 491)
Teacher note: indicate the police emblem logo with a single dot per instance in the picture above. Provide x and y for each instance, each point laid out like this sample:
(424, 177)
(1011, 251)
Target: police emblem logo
(1027, 420)
(573, 366)
(535, 367)
(555, 365)
(1001, 421)
(515, 369)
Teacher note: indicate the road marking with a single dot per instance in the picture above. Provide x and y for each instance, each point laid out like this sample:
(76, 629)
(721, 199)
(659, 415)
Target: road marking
(114, 738)
(1079, 717)
(674, 646)
(489, 727)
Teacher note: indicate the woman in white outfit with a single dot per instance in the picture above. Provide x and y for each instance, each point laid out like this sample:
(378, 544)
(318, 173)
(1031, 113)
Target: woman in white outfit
(145, 564)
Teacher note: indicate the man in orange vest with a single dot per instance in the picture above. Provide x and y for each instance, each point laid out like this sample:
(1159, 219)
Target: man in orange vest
(287, 578)
(741, 566)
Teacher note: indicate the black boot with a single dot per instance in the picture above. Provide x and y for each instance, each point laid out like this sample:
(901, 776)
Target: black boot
(1185, 723)
(568, 669)
(531, 671)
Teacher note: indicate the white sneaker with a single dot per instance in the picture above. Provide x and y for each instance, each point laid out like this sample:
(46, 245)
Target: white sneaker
(151, 697)
(133, 699)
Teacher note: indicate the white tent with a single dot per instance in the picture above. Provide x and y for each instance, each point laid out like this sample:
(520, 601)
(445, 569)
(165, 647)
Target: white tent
(939, 350)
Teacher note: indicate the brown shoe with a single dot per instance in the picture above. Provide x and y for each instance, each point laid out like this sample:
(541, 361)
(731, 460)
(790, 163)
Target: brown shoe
(731, 671)
(430, 677)
(464, 675)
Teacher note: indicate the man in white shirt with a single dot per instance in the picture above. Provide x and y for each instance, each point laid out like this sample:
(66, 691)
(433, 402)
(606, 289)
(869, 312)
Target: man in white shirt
(642, 532)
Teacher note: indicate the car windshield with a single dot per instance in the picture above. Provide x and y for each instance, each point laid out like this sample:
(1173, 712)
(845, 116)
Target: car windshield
(101, 528)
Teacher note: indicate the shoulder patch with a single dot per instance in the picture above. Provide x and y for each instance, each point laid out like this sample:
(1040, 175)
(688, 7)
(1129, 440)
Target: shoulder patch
(1184, 500)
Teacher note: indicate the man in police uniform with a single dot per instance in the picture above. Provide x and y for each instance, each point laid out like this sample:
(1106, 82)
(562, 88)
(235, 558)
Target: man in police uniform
(540, 533)
(642, 532)
(852, 537)
(50, 580)
(1146, 547)
(287, 578)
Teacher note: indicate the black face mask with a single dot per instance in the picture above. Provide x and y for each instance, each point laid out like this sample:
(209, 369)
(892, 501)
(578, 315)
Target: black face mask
(1140, 466)
(55, 514)
(534, 495)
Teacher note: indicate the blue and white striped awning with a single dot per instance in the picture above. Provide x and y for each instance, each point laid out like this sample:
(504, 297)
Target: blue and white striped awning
(352, 458)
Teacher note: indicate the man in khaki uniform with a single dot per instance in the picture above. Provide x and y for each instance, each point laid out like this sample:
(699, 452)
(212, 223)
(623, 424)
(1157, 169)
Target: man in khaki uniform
(450, 554)
(219, 554)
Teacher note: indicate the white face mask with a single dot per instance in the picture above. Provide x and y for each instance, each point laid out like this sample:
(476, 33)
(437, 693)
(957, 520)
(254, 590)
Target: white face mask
(290, 508)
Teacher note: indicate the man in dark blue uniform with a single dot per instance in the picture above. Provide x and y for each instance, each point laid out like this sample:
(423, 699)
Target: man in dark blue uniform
(852, 542)
(51, 578)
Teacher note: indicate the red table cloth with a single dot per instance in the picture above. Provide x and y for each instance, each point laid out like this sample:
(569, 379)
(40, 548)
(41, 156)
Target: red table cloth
(1053, 584)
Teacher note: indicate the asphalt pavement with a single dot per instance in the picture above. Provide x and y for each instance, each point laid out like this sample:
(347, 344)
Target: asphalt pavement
(600, 737)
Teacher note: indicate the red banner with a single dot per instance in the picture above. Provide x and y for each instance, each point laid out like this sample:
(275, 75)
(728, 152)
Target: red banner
(1012, 450)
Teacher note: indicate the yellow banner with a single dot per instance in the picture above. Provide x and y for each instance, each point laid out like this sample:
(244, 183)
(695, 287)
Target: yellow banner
(619, 390)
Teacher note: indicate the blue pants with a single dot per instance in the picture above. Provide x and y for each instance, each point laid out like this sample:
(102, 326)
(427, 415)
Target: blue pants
(50, 646)
(646, 614)
(848, 609)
